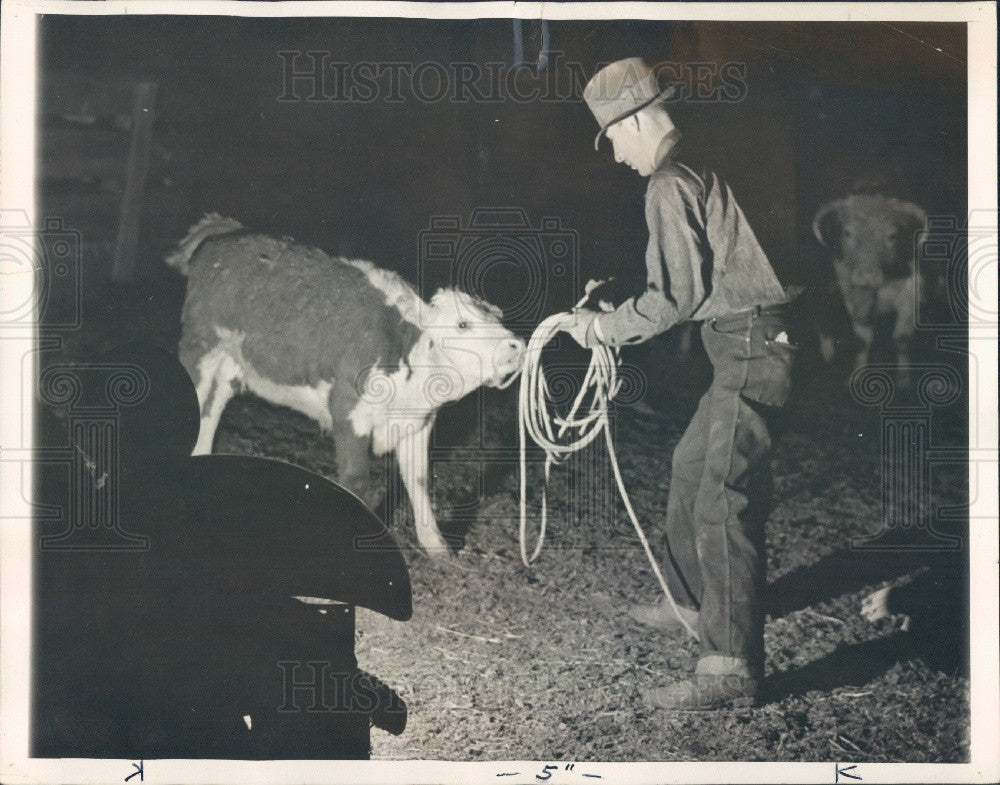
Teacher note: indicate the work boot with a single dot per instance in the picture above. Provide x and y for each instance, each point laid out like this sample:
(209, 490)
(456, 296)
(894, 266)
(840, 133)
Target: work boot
(705, 693)
(661, 615)
(719, 682)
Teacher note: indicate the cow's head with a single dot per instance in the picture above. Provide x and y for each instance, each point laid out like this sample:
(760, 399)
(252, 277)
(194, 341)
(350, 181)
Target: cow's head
(462, 336)
(875, 237)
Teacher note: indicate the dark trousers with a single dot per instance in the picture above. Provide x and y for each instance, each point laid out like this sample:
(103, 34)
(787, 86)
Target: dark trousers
(720, 489)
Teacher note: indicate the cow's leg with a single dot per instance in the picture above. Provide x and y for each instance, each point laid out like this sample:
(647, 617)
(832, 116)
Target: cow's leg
(825, 314)
(866, 334)
(902, 298)
(827, 347)
(860, 304)
(412, 454)
(201, 366)
(686, 340)
(352, 440)
(218, 378)
(354, 462)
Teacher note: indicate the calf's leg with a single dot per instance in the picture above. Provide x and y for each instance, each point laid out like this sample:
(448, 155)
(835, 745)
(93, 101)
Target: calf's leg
(354, 463)
(413, 458)
(218, 377)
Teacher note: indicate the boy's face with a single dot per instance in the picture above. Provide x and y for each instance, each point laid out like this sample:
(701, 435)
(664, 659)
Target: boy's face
(632, 146)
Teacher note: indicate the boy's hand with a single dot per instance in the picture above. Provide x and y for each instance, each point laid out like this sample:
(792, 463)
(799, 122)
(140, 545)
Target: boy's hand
(591, 287)
(578, 325)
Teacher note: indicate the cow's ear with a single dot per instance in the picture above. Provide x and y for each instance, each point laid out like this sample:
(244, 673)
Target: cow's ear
(444, 302)
(911, 229)
(489, 308)
(829, 224)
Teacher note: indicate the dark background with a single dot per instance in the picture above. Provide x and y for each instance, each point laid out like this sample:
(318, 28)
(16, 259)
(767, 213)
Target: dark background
(826, 103)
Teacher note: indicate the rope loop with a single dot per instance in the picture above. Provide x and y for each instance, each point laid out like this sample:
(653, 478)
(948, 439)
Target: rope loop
(587, 419)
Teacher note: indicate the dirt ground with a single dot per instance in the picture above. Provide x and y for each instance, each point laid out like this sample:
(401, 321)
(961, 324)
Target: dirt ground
(501, 661)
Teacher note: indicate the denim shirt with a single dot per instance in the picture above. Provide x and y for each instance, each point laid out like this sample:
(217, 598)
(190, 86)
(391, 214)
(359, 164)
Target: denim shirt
(703, 260)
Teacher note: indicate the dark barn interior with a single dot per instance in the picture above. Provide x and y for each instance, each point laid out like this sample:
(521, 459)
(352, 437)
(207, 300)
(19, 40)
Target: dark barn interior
(355, 167)
(289, 126)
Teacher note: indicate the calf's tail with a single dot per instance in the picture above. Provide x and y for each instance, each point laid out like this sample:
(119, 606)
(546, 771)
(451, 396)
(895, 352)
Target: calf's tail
(211, 225)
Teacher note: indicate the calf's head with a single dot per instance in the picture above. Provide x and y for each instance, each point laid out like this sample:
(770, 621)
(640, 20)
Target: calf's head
(464, 342)
(875, 237)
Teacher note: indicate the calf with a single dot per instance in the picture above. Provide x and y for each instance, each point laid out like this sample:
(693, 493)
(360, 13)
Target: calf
(348, 344)
(874, 240)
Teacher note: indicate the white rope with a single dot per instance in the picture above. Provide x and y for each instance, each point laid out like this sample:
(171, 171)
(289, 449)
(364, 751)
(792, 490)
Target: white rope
(536, 419)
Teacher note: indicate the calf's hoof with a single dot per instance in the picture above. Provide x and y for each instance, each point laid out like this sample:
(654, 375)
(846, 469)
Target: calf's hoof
(434, 545)
(441, 555)
(371, 495)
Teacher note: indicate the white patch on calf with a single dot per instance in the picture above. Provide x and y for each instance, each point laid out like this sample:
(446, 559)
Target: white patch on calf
(224, 369)
(313, 402)
(398, 293)
(410, 394)
(462, 346)
(218, 376)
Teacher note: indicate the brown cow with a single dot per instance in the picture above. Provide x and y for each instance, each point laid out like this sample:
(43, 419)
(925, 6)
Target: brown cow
(874, 239)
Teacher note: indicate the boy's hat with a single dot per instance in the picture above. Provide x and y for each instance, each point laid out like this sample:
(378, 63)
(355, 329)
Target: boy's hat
(620, 90)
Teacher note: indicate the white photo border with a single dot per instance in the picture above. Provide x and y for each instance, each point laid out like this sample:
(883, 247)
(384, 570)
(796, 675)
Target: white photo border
(17, 160)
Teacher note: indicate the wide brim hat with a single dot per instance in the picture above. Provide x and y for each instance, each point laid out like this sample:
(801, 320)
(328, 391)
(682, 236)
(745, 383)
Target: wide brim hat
(621, 90)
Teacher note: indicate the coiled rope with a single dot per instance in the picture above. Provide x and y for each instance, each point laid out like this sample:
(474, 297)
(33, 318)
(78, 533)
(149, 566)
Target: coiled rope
(536, 418)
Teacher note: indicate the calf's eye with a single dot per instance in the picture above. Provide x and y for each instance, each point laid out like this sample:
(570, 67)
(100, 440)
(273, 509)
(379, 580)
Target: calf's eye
(463, 325)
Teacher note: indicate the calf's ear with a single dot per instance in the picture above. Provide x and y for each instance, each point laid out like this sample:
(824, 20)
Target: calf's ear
(408, 306)
(489, 307)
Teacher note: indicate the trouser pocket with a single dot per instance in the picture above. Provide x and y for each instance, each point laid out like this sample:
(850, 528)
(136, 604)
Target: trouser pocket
(769, 369)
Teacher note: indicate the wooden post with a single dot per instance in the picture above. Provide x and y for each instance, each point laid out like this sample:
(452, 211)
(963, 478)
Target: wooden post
(124, 268)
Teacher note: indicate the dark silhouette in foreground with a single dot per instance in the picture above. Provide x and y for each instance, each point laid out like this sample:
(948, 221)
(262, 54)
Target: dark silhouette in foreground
(932, 614)
(167, 618)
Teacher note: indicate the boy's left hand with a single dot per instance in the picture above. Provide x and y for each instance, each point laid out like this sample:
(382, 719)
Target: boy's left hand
(578, 324)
